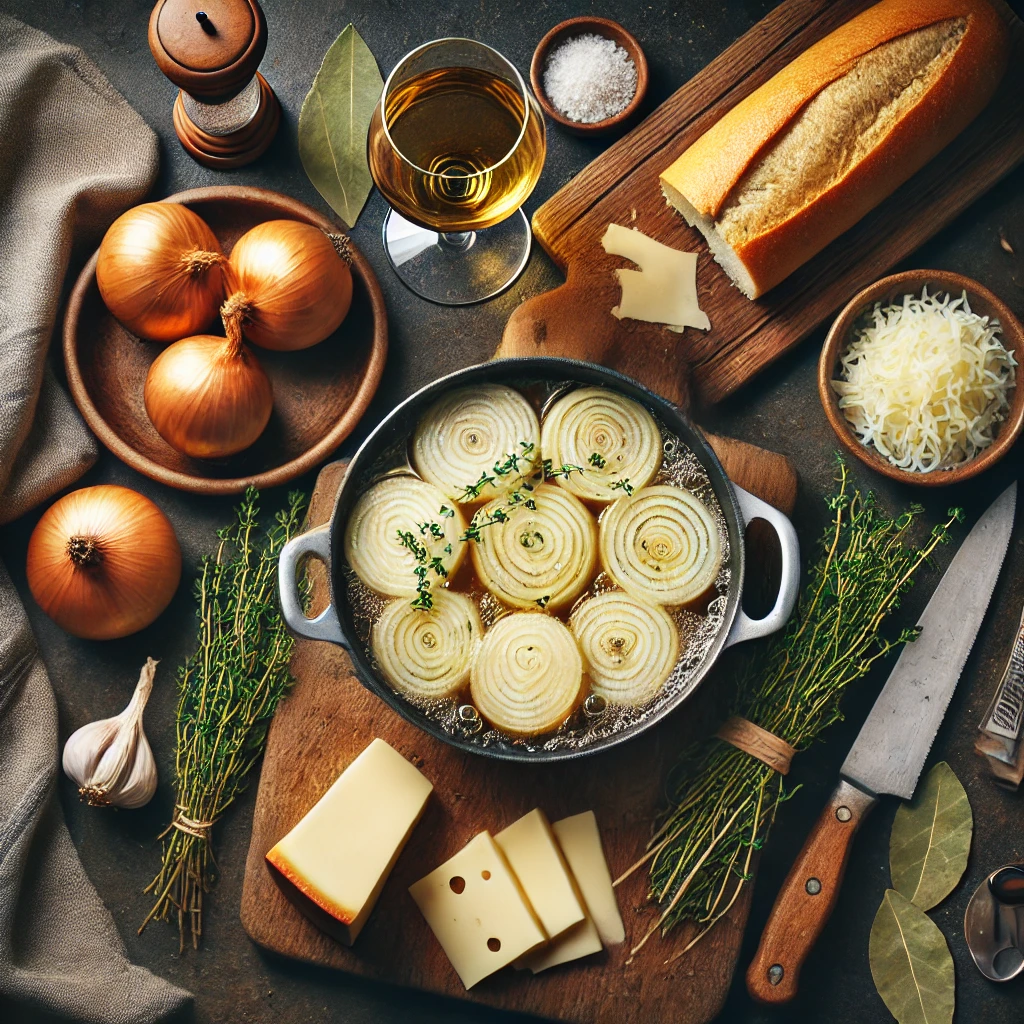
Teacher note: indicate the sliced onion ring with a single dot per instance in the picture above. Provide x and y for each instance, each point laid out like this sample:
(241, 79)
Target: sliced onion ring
(597, 421)
(540, 557)
(468, 432)
(427, 653)
(393, 505)
(661, 545)
(527, 674)
(629, 647)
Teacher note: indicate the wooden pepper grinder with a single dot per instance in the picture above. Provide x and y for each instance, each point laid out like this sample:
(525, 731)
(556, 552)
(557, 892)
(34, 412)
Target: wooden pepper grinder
(225, 114)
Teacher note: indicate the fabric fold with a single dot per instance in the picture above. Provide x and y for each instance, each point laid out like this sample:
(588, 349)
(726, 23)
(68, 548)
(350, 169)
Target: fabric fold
(73, 155)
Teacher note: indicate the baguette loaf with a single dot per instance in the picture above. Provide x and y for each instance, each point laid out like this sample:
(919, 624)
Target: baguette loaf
(805, 156)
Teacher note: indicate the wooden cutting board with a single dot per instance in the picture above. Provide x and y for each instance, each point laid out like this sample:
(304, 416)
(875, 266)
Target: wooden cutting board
(621, 186)
(329, 718)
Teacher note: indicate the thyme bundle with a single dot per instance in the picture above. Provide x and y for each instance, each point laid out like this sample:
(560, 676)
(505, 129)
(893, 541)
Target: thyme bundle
(228, 692)
(722, 801)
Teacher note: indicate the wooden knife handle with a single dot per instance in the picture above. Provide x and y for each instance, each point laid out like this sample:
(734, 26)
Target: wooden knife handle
(807, 897)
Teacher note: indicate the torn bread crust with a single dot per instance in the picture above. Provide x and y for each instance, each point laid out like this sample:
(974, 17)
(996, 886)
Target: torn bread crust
(806, 155)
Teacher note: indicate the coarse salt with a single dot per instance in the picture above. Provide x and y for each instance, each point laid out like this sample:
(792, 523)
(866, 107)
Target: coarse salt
(590, 78)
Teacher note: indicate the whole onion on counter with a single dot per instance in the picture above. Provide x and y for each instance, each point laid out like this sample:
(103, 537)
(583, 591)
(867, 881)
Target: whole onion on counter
(103, 562)
(159, 271)
(289, 288)
(208, 396)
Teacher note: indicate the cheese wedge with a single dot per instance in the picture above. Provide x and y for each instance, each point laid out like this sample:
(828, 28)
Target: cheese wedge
(335, 861)
(475, 907)
(664, 289)
(580, 841)
(534, 855)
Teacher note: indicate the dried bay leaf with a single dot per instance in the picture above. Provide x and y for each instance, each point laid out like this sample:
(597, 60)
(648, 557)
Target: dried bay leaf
(334, 121)
(931, 838)
(910, 963)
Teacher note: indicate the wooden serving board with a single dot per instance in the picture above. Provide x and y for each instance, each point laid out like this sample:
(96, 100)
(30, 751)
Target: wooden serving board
(329, 718)
(621, 186)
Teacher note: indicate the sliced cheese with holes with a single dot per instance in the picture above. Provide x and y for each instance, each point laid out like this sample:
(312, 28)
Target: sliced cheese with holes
(335, 861)
(664, 289)
(580, 841)
(534, 855)
(477, 910)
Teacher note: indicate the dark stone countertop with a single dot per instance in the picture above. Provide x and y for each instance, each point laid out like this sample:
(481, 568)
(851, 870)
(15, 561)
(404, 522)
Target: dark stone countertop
(234, 981)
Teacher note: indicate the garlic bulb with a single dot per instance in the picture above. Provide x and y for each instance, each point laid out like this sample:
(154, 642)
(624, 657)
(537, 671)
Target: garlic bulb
(110, 760)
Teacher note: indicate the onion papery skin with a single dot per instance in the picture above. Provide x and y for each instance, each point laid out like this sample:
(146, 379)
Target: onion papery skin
(373, 548)
(542, 557)
(130, 575)
(661, 545)
(527, 674)
(629, 647)
(208, 397)
(288, 287)
(470, 430)
(622, 432)
(427, 653)
(160, 271)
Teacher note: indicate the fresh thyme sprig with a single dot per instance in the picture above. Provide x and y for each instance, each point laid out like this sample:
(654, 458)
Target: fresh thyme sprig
(498, 514)
(722, 801)
(228, 689)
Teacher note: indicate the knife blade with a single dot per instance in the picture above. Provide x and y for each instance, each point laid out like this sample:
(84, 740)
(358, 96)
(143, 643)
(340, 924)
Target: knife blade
(889, 753)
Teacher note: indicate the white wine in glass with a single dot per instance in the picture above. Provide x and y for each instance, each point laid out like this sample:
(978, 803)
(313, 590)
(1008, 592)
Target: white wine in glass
(456, 145)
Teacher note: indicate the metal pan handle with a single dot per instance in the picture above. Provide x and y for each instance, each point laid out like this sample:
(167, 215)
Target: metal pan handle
(315, 544)
(746, 628)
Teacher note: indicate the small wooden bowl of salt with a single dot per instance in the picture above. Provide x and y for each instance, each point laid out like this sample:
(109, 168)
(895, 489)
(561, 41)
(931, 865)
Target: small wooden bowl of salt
(589, 75)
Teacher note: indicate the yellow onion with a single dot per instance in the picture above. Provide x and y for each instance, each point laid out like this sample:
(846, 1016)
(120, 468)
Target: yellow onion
(288, 286)
(427, 653)
(542, 556)
(661, 545)
(400, 506)
(103, 562)
(527, 674)
(159, 271)
(629, 647)
(621, 433)
(208, 396)
(468, 432)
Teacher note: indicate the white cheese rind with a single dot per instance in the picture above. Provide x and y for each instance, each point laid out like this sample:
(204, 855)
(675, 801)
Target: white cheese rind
(477, 911)
(534, 855)
(581, 843)
(337, 858)
(664, 289)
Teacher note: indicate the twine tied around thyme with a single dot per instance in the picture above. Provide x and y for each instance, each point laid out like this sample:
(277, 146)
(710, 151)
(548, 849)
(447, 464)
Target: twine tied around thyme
(190, 826)
(768, 748)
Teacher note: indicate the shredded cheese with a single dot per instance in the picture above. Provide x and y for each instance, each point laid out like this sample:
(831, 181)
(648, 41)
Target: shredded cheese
(926, 382)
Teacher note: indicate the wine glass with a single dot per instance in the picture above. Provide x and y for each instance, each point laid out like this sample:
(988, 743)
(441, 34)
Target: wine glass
(456, 145)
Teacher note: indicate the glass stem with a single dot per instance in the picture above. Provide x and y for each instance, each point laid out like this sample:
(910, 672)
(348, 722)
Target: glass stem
(456, 241)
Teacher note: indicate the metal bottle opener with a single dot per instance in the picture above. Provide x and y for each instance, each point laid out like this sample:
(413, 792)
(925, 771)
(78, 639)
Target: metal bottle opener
(994, 924)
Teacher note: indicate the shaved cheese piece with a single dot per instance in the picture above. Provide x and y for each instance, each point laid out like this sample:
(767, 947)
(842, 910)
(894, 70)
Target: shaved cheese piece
(926, 382)
(664, 289)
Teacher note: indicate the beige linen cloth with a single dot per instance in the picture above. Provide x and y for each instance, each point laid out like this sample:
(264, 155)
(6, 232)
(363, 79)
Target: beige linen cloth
(73, 155)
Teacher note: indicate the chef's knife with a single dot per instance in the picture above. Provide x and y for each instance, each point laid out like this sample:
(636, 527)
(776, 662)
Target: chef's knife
(888, 754)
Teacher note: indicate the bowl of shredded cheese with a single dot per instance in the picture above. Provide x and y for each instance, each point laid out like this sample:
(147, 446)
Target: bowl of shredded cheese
(919, 375)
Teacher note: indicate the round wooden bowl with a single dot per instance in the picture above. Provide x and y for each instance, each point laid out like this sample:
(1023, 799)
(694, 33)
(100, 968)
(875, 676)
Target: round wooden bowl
(320, 393)
(579, 27)
(891, 289)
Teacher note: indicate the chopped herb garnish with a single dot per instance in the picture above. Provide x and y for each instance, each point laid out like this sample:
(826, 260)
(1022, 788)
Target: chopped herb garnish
(598, 460)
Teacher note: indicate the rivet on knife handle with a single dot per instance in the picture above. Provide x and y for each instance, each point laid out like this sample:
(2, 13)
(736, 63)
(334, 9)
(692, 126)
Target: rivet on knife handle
(807, 897)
